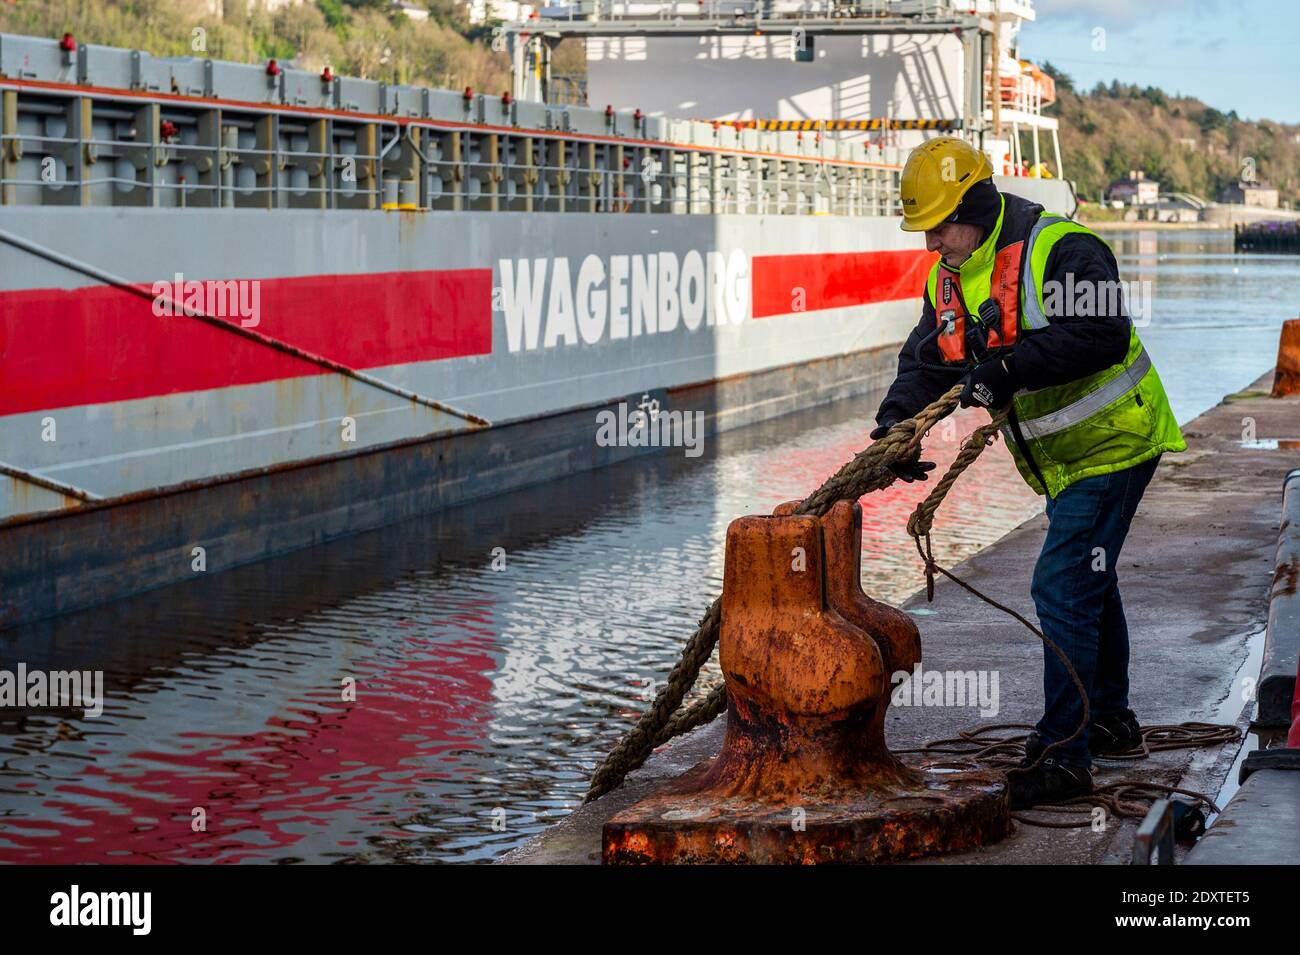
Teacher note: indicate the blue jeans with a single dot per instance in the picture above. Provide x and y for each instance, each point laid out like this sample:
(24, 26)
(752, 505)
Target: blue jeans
(1076, 593)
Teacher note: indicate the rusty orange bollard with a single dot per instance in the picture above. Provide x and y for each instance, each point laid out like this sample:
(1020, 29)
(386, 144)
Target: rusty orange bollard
(804, 774)
(1286, 376)
(893, 631)
(804, 683)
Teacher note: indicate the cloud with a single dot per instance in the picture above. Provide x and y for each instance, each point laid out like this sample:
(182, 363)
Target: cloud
(1121, 13)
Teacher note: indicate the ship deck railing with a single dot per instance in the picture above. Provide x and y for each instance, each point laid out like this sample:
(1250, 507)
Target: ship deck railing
(902, 11)
(70, 137)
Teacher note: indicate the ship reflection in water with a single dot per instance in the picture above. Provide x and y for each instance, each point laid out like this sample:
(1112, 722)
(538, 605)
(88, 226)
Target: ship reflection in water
(488, 682)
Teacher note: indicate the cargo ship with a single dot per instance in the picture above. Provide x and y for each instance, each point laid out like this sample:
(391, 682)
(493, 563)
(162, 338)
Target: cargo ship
(248, 308)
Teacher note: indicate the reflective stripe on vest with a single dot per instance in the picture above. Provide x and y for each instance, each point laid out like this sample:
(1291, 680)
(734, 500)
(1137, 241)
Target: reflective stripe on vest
(1032, 311)
(1091, 403)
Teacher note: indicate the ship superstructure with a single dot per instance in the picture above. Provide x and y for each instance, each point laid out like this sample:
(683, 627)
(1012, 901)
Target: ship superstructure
(879, 71)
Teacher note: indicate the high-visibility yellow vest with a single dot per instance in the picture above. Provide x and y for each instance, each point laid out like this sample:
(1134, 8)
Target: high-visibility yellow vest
(1108, 421)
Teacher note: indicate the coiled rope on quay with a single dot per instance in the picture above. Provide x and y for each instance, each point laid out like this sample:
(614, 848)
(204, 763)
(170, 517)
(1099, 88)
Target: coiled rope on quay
(869, 471)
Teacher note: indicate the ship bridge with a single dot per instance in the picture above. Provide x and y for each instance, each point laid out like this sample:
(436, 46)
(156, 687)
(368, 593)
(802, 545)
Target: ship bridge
(884, 72)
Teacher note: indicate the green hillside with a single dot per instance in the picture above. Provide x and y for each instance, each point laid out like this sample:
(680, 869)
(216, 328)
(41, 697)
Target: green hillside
(1182, 143)
(366, 38)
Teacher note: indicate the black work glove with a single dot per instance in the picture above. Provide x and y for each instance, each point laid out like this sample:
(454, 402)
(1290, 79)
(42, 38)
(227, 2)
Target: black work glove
(909, 471)
(990, 385)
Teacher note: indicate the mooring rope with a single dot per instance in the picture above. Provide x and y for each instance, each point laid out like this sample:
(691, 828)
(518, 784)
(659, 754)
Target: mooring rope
(870, 471)
(1122, 798)
(919, 525)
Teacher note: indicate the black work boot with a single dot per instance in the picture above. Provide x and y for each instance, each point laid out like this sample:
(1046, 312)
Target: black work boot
(1048, 782)
(1114, 734)
(1034, 747)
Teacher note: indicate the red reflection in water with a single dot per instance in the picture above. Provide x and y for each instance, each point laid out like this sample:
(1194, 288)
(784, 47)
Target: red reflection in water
(975, 511)
(319, 764)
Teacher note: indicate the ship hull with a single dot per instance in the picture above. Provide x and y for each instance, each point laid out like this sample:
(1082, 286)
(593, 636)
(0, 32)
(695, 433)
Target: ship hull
(200, 449)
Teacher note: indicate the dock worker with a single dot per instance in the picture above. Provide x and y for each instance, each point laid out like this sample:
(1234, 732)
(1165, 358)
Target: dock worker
(1088, 423)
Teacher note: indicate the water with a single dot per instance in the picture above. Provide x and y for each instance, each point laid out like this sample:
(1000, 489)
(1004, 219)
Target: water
(484, 697)
(1214, 323)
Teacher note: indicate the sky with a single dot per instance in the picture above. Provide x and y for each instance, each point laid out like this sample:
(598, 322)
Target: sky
(1240, 55)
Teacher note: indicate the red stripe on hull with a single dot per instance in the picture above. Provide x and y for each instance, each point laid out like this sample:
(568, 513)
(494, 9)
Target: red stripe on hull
(66, 347)
(783, 283)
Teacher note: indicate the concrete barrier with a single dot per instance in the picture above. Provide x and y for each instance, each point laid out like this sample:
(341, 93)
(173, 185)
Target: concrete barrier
(1261, 825)
(1277, 677)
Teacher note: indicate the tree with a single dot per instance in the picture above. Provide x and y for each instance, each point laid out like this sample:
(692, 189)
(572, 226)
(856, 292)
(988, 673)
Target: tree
(1211, 119)
(334, 13)
(1061, 78)
(1156, 97)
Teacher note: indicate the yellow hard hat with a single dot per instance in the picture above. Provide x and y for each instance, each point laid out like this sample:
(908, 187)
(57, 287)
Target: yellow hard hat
(937, 175)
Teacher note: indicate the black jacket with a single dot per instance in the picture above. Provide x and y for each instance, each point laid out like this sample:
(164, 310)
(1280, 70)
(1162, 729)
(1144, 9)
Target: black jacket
(1068, 348)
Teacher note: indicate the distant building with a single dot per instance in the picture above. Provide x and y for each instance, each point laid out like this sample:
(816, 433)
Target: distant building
(1251, 194)
(480, 11)
(218, 8)
(1176, 209)
(1136, 190)
(413, 11)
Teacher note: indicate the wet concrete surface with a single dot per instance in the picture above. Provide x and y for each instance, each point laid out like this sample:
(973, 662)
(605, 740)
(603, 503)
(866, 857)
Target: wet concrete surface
(1194, 574)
